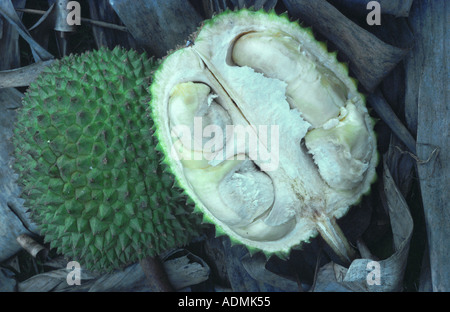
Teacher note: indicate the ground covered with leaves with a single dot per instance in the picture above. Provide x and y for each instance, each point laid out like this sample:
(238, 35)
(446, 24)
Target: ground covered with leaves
(402, 225)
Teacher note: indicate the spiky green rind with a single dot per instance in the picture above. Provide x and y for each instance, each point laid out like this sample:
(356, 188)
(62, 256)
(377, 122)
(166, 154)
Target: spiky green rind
(86, 159)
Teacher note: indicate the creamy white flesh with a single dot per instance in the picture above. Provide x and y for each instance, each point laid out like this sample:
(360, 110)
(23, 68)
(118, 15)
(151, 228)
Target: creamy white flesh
(322, 148)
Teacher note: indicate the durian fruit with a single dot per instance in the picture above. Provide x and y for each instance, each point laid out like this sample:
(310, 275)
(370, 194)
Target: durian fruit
(86, 158)
(265, 131)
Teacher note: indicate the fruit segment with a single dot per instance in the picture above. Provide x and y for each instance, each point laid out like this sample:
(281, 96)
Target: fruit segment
(311, 88)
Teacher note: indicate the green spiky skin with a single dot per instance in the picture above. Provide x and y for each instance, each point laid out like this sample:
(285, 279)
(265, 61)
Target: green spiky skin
(86, 159)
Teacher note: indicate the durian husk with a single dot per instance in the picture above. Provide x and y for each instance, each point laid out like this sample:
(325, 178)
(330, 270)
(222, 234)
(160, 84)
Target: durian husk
(189, 63)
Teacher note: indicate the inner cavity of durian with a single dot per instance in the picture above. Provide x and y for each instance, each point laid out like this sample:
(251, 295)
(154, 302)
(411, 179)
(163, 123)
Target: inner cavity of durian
(338, 138)
(198, 123)
(232, 187)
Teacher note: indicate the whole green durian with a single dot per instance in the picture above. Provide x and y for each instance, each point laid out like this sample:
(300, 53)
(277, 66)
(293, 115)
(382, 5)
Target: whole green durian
(85, 155)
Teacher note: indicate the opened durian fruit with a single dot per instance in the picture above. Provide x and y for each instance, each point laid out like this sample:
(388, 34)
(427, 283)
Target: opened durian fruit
(265, 131)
